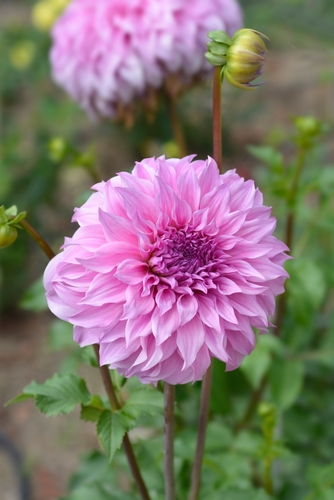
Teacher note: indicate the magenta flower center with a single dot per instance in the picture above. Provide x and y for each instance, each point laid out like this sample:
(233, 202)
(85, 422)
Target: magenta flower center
(187, 256)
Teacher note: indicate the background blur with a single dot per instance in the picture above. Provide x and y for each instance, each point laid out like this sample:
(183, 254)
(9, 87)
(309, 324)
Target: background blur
(47, 147)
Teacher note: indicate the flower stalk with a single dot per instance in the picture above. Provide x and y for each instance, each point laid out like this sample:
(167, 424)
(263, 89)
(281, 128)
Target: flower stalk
(115, 405)
(169, 400)
(203, 419)
(217, 120)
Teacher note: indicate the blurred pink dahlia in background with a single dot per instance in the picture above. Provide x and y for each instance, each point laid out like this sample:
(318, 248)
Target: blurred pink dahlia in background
(105, 53)
(171, 265)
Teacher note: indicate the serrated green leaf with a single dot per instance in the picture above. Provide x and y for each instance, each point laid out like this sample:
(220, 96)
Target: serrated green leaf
(92, 412)
(34, 298)
(111, 428)
(60, 394)
(143, 401)
(19, 398)
(285, 381)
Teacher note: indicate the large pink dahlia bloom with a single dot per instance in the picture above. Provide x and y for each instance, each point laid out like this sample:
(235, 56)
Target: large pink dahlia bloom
(106, 52)
(172, 265)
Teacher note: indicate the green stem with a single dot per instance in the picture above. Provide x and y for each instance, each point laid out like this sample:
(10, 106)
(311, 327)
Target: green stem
(115, 405)
(169, 397)
(203, 419)
(268, 484)
(217, 119)
(176, 124)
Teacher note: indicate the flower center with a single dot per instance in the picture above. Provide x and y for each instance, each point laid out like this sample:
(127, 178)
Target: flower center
(186, 256)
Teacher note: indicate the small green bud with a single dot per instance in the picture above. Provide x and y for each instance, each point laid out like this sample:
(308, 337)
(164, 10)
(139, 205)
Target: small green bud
(8, 235)
(307, 125)
(57, 148)
(241, 57)
(9, 223)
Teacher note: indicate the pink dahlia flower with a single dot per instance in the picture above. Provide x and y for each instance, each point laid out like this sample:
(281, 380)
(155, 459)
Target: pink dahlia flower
(172, 265)
(107, 52)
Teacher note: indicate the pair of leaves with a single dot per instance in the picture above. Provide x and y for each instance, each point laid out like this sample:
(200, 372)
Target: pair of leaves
(60, 394)
(112, 425)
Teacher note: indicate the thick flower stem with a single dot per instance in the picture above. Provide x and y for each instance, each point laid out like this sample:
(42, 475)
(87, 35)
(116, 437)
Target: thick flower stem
(203, 418)
(217, 120)
(176, 124)
(115, 405)
(38, 238)
(169, 397)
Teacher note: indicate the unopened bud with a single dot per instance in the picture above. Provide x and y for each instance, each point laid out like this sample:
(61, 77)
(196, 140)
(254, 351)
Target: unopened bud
(8, 235)
(241, 57)
(9, 223)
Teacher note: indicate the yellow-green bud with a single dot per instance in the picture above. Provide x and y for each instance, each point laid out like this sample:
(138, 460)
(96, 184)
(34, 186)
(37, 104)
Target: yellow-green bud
(9, 223)
(8, 235)
(241, 57)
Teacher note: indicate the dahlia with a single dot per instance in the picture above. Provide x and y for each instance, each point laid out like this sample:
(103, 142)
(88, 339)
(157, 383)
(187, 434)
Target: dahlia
(171, 265)
(107, 52)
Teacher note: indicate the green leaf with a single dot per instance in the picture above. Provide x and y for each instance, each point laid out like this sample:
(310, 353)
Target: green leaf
(238, 494)
(92, 412)
(111, 428)
(143, 401)
(58, 395)
(97, 491)
(285, 381)
(34, 298)
(19, 398)
(320, 475)
(269, 156)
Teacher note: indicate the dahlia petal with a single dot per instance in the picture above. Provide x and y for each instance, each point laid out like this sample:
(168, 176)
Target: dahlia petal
(190, 338)
(187, 306)
(165, 299)
(163, 325)
(208, 313)
(104, 289)
(91, 316)
(137, 328)
(136, 304)
(117, 228)
(109, 256)
(215, 343)
(188, 188)
(131, 271)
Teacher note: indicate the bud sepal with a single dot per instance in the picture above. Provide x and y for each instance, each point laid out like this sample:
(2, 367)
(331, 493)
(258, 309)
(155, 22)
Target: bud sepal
(9, 223)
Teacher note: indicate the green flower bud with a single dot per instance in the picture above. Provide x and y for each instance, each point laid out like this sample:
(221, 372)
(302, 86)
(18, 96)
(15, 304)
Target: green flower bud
(241, 57)
(9, 223)
(8, 235)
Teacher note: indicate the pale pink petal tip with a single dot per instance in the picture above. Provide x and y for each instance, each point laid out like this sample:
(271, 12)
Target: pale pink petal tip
(171, 266)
